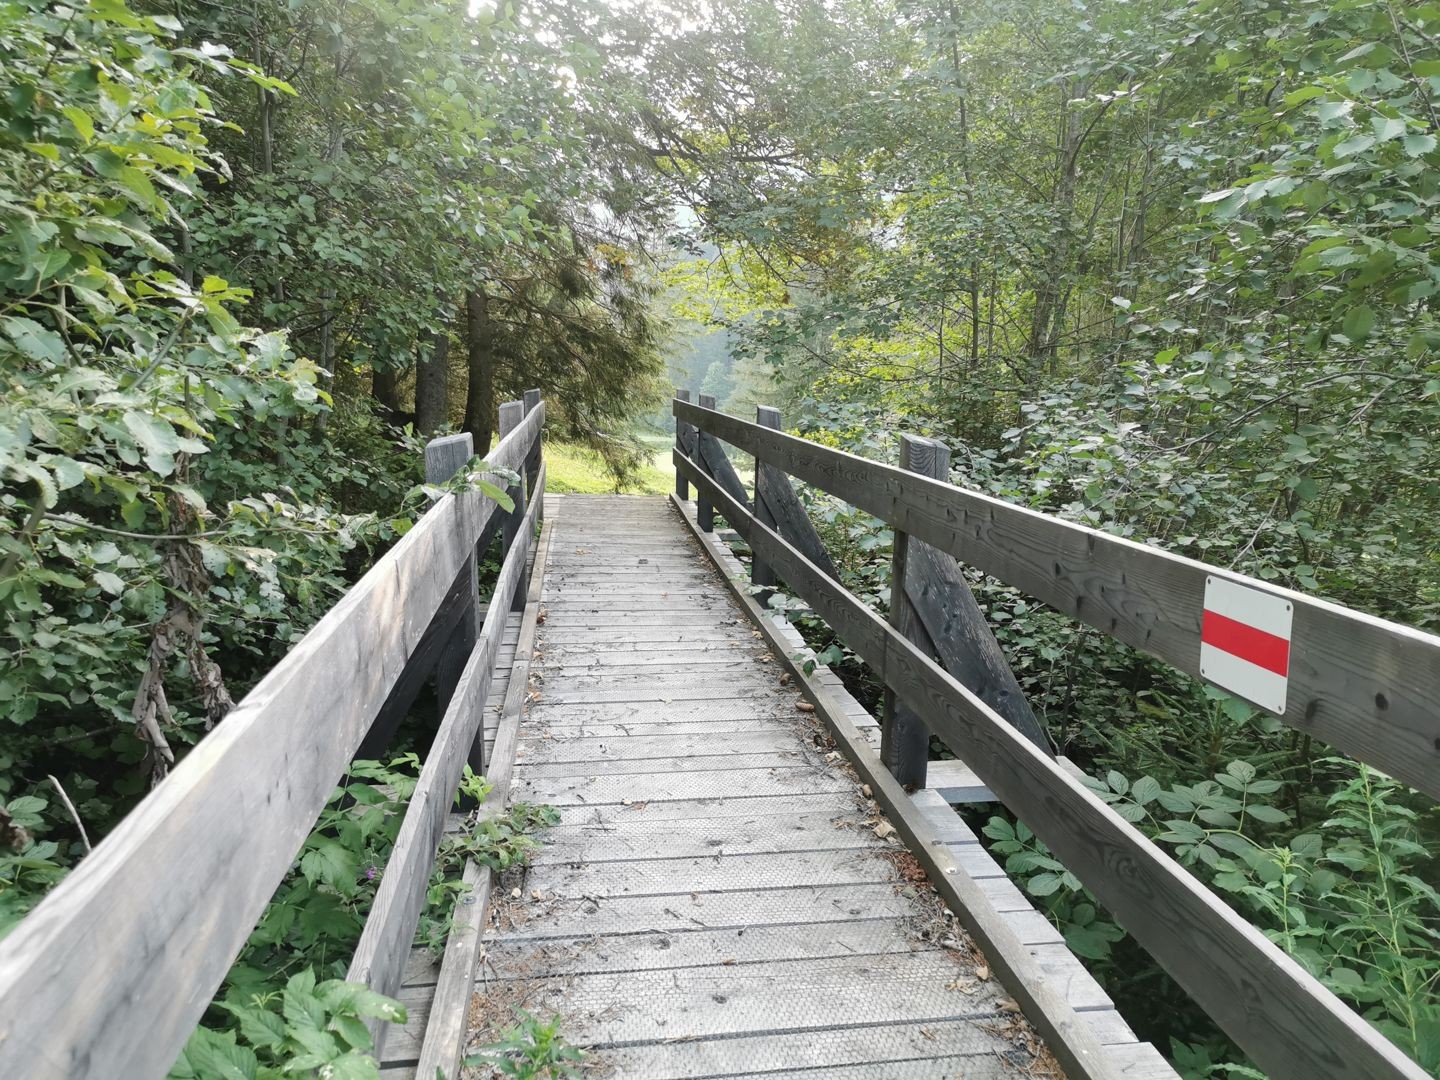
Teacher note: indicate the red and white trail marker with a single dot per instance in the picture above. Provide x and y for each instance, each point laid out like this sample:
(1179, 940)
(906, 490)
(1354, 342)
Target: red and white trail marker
(1245, 642)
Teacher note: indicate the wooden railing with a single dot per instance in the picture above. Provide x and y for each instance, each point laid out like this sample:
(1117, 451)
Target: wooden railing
(109, 975)
(1367, 686)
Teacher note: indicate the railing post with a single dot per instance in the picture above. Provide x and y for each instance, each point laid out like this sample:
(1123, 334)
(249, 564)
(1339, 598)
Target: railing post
(761, 575)
(512, 414)
(444, 457)
(532, 460)
(904, 738)
(704, 512)
(684, 445)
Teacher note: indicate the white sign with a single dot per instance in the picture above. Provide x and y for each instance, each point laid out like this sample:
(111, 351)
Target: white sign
(1245, 642)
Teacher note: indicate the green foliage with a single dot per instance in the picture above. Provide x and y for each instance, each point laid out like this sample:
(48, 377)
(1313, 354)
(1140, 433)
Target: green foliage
(305, 1028)
(315, 919)
(530, 1050)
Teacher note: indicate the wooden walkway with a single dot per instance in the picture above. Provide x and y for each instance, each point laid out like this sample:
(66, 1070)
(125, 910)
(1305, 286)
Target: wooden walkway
(723, 895)
(715, 900)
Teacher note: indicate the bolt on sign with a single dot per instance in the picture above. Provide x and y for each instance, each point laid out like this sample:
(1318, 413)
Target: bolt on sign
(1245, 642)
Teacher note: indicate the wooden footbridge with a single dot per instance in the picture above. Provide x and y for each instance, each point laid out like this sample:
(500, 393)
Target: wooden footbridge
(749, 876)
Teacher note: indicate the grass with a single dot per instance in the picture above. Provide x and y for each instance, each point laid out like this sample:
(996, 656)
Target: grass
(577, 470)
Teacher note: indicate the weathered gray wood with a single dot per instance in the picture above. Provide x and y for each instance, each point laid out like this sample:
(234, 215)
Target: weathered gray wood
(1073, 1045)
(684, 441)
(420, 666)
(110, 973)
(444, 457)
(512, 414)
(904, 737)
(761, 575)
(779, 507)
(712, 457)
(1364, 685)
(532, 464)
(1278, 1013)
(704, 512)
(379, 958)
(450, 1013)
(942, 599)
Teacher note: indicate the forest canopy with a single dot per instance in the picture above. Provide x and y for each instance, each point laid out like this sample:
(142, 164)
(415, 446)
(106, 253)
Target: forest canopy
(1165, 267)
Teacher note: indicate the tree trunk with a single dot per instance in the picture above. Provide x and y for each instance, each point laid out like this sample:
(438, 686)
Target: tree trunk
(384, 388)
(1050, 299)
(480, 363)
(432, 406)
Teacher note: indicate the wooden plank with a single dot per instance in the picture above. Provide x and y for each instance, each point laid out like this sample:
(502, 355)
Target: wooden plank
(444, 457)
(684, 442)
(761, 575)
(568, 920)
(659, 787)
(956, 783)
(1070, 1040)
(724, 1000)
(755, 834)
(778, 506)
(779, 739)
(904, 736)
(711, 455)
(88, 986)
(669, 949)
(419, 667)
(676, 765)
(512, 415)
(1278, 1013)
(1362, 684)
(911, 1050)
(380, 955)
(449, 1018)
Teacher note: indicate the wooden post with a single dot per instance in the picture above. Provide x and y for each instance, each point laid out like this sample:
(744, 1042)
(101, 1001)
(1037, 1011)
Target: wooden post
(760, 573)
(684, 445)
(532, 462)
(904, 738)
(704, 512)
(443, 459)
(511, 414)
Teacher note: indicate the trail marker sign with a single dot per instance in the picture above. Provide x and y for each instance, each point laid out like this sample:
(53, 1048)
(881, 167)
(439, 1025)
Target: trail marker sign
(1245, 642)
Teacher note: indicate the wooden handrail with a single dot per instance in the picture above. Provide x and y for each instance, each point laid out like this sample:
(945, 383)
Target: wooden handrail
(111, 972)
(1367, 686)
(1278, 1013)
(379, 960)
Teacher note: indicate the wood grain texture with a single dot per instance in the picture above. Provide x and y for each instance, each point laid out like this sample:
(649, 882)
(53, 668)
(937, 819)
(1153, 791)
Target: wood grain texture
(761, 575)
(711, 454)
(684, 442)
(444, 457)
(1366, 686)
(379, 959)
(110, 973)
(1073, 1045)
(1279, 1014)
(449, 1014)
(940, 599)
(904, 736)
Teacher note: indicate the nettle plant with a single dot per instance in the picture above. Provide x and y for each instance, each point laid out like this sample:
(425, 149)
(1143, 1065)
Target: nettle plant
(285, 1006)
(1345, 897)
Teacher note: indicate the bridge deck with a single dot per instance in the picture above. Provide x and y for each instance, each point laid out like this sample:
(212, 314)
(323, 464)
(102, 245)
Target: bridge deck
(716, 900)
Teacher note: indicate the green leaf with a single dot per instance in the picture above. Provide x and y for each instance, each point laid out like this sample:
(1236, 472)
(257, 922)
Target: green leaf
(1358, 323)
(156, 438)
(329, 861)
(34, 340)
(1387, 127)
(1419, 145)
(80, 120)
(215, 1056)
(1354, 145)
(1269, 814)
